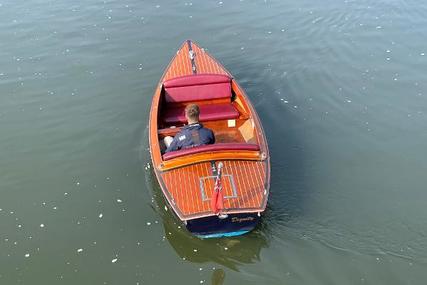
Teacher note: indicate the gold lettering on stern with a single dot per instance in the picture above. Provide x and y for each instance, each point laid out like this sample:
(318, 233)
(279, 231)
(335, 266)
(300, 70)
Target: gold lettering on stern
(239, 220)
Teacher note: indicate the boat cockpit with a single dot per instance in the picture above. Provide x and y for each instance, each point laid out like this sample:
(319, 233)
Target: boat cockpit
(223, 109)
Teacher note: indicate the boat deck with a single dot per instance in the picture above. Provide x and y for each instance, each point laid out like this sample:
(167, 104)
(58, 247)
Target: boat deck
(187, 179)
(181, 65)
(191, 187)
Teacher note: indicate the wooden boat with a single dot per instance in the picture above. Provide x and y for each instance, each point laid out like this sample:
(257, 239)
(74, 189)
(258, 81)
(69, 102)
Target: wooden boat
(219, 189)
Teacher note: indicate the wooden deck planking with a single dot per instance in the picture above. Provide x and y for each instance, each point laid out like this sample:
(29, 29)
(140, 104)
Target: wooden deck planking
(205, 63)
(183, 185)
(180, 65)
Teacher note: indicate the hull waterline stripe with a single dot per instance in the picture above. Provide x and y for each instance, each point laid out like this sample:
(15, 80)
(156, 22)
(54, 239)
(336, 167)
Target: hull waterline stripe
(218, 235)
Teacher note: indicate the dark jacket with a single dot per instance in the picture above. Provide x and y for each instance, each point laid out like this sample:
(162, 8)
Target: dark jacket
(192, 135)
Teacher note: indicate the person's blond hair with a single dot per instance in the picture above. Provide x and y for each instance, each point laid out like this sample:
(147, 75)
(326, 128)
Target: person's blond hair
(192, 112)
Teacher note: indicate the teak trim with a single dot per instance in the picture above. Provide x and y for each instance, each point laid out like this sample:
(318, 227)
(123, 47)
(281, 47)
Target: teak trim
(209, 156)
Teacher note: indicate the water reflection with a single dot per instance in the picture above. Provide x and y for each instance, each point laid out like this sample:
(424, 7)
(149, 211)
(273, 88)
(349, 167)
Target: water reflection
(218, 277)
(229, 252)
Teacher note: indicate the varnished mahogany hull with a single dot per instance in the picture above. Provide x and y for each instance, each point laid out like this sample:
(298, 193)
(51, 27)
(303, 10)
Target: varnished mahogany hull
(187, 182)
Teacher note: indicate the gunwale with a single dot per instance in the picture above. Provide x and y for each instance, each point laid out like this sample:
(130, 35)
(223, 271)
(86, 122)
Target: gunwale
(163, 169)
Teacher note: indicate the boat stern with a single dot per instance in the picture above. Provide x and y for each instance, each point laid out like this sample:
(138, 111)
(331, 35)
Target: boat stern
(225, 225)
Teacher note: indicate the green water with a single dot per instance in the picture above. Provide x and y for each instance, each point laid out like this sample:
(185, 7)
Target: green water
(341, 89)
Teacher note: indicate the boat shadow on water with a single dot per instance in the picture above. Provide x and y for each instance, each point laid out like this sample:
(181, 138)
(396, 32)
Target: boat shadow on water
(229, 252)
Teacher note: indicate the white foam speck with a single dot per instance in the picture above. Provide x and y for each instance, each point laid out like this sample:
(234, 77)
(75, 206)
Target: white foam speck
(42, 225)
(114, 260)
(78, 183)
(422, 54)
(148, 223)
(166, 208)
(195, 250)
(348, 101)
(388, 50)
(100, 215)
(80, 250)
(119, 200)
(27, 255)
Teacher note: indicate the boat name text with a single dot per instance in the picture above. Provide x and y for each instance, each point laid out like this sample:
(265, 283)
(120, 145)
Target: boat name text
(239, 220)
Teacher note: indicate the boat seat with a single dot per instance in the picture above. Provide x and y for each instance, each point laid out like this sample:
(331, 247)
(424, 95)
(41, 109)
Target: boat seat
(210, 148)
(207, 113)
(197, 87)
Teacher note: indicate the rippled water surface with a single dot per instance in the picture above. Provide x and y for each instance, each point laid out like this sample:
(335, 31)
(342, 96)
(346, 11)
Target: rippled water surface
(341, 89)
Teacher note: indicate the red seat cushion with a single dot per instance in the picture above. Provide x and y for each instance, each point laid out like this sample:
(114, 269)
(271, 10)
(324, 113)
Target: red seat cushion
(197, 87)
(210, 148)
(207, 113)
(196, 79)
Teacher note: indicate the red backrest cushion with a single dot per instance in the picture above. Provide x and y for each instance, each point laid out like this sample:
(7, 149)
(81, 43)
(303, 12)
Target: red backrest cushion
(196, 79)
(197, 87)
(207, 113)
(210, 148)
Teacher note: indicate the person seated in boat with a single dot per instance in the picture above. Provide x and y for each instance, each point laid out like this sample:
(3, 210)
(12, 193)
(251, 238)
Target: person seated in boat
(193, 134)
